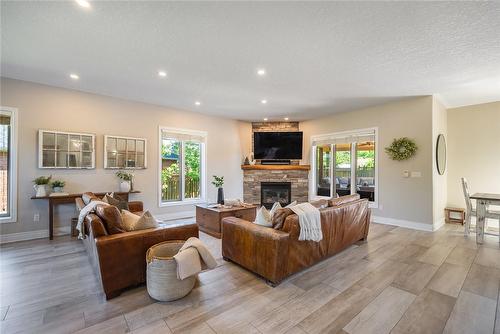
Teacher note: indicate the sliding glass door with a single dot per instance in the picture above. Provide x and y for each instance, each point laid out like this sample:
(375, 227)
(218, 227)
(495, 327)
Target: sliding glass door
(345, 164)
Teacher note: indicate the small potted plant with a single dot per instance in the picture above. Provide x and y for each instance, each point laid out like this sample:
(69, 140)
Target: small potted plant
(40, 186)
(58, 185)
(125, 181)
(218, 182)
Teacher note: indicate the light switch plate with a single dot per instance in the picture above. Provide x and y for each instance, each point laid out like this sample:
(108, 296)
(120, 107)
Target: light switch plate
(416, 174)
(406, 173)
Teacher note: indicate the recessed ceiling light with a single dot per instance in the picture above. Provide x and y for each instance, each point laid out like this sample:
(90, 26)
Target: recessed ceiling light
(263, 101)
(74, 76)
(83, 3)
(261, 72)
(265, 119)
(198, 103)
(162, 74)
(286, 118)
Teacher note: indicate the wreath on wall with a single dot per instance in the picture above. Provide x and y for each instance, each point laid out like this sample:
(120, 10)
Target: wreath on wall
(401, 149)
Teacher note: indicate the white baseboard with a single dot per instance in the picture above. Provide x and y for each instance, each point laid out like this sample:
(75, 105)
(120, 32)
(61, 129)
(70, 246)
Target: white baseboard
(176, 215)
(438, 224)
(403, 223)
(22, 236)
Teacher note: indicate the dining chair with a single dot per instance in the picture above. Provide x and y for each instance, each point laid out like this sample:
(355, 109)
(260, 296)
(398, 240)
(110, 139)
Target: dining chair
(471, 211)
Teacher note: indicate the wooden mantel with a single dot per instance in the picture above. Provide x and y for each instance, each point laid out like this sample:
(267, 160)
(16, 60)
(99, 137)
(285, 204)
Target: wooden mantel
(275, 167)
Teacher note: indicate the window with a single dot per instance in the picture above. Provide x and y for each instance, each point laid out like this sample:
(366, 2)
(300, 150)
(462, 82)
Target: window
(8, 165)
(66, 150)
(182, 166)
(124, 152)
(345, 163)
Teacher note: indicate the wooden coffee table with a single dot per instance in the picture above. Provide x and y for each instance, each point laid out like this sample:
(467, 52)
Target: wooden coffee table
(209, 219)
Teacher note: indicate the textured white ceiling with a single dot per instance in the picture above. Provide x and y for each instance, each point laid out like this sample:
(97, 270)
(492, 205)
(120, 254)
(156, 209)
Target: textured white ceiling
(321, 57)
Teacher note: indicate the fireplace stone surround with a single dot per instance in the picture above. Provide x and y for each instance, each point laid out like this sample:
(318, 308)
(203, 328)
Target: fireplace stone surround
(254, 176)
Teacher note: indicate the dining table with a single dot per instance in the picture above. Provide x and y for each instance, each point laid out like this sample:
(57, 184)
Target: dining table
(482, 202)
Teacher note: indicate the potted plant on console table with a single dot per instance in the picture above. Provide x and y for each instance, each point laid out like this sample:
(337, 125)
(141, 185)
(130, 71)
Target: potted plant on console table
(218, 182)
(125, 181)
(40, 186)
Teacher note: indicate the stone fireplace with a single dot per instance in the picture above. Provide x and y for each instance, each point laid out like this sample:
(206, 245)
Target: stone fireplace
(272, 192)
(295, 176)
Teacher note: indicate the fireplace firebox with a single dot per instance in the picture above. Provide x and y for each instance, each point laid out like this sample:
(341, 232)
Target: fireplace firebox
(271, 192)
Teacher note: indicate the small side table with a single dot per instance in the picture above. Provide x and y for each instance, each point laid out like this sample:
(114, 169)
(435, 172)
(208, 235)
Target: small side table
(453, 220)
(209, 219)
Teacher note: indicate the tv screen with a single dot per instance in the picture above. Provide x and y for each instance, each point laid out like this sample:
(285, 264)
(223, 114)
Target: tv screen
(277, 145)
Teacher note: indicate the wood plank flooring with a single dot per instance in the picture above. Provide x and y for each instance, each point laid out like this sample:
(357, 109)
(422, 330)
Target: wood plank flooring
(399, 281)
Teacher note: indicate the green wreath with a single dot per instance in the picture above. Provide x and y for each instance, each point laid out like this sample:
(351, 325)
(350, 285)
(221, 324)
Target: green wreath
(401, 149)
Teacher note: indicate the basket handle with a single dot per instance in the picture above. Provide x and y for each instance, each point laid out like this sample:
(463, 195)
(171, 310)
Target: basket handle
(149, 258)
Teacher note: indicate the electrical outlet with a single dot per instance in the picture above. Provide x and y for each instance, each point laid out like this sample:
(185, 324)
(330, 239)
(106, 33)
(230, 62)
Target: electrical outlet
(36, 217)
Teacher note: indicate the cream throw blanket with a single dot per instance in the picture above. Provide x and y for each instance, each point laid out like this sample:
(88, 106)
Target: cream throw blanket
(89, 208)
(309, 221)
(192, 258)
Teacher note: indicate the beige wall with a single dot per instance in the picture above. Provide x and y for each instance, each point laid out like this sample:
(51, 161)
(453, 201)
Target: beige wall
(407, 201)
(473, 150)
(45, 107)
(439, 184)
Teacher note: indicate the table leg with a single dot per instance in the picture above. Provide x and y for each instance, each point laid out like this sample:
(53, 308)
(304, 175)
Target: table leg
(51, 220)
(480, 220)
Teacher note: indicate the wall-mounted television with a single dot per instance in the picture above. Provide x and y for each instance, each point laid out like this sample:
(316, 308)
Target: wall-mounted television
(277, 145)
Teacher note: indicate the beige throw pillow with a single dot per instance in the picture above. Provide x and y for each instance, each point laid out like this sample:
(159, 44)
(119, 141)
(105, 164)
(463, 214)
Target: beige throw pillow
(133, 222)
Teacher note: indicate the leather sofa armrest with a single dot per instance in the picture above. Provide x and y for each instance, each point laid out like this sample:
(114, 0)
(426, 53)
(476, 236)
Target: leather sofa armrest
(135, 206)
(260, 249)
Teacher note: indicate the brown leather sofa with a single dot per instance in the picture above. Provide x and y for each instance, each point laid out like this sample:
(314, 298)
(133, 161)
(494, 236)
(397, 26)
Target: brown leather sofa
(119, 259)
(277, 254)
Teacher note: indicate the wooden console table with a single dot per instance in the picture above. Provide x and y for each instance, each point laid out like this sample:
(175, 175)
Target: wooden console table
(68, 199)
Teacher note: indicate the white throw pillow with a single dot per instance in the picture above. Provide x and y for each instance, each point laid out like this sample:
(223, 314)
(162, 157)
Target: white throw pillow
(263, 217)
(275, 207)
(291, 204)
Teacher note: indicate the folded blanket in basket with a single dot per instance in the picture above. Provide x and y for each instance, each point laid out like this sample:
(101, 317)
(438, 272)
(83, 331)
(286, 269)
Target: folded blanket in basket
(192, 258)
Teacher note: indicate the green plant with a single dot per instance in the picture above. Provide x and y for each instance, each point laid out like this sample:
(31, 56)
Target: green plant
(42, 180)
(124, 176)
(401, 149)
(218, 181)
(58, 184)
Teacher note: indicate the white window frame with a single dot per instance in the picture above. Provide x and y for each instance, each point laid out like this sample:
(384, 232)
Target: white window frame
(12, 217)
(106, 137)
(312, 176)
(203, 155)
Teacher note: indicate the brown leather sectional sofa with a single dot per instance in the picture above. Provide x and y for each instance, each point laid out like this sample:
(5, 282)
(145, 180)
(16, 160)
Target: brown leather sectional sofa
(277, 254)
(119, 259)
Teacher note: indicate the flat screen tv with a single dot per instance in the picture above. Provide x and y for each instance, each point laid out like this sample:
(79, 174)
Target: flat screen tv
(277, 145)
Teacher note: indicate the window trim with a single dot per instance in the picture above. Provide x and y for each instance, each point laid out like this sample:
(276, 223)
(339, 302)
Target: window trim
(312, 175)
(203, 155)
(13, 156)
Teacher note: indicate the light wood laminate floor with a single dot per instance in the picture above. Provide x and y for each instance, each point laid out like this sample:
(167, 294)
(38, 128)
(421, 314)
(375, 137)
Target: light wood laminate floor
(399, 281)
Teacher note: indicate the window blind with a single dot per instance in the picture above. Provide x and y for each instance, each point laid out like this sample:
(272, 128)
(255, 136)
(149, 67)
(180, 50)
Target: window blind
(183, 136)
(345, 138)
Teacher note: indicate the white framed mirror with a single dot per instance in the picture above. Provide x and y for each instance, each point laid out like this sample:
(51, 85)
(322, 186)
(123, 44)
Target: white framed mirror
(69, 150)
(125, 152)
(441, 154)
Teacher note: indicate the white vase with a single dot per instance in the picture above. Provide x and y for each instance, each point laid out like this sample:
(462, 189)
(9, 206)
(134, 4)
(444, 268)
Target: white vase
(40, 190)
(124, 186)
(58, 189)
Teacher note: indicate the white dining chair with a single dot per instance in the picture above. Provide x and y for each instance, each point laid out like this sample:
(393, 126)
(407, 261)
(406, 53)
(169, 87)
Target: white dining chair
(471, 211)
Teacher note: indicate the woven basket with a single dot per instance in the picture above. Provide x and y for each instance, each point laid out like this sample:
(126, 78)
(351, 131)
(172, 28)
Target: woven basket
(161, 276)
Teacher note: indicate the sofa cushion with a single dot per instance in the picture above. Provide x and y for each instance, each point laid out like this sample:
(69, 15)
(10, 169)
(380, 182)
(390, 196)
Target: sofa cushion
(279, 217)
(343, 199)
(111, 217)
(117, 201)
(320, 204)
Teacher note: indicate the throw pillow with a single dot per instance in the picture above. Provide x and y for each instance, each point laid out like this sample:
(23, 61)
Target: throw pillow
(89, 197)
(117, 201)
(133, 222)
(275, 207)
(111, 217)
(279, 217)
(320, 204)
(343, 200)
(263, 217)
(291, 204)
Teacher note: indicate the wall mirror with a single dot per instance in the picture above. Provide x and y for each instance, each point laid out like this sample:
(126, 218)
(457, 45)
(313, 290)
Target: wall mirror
(58, 149)
(124, 152)
(441, 154)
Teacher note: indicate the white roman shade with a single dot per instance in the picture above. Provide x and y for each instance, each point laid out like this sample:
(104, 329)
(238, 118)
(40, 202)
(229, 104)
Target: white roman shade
(198, 137)
(344, 138)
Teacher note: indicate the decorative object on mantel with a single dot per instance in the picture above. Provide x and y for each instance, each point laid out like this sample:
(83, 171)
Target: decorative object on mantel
(252, 159)
(218, 182)
(246, 162)
(401, 149)
(40, 186)
(126, 180)
(58, 186)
